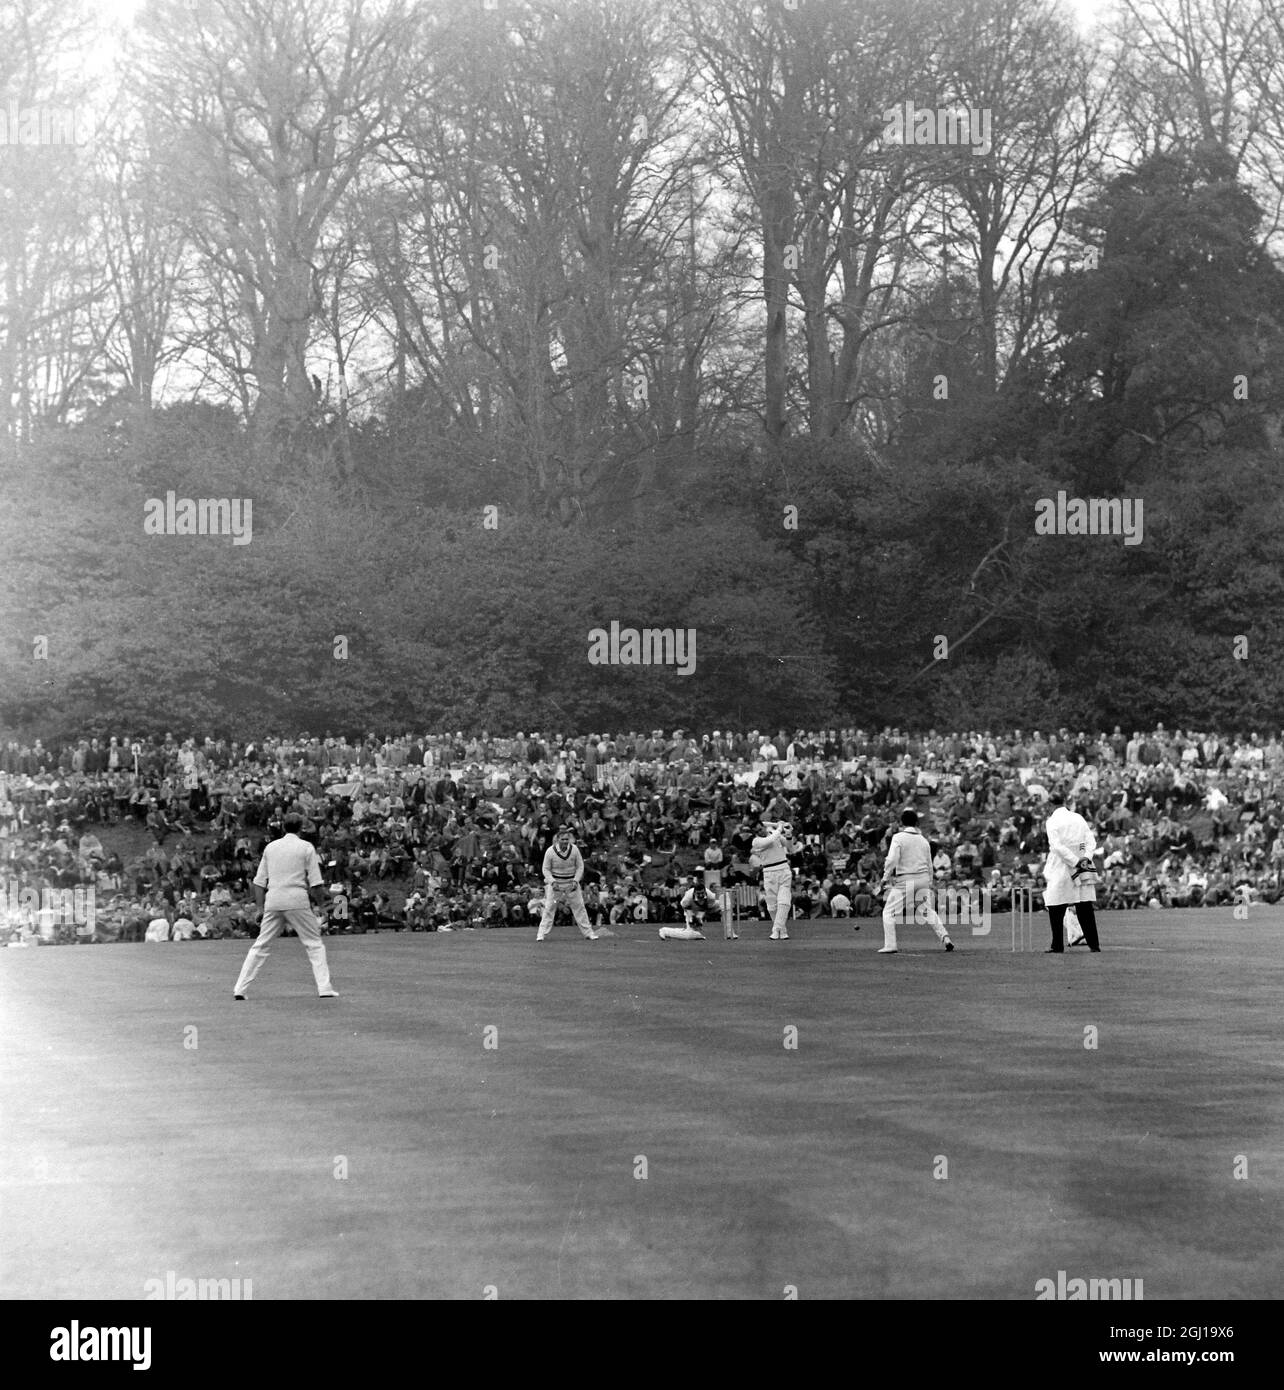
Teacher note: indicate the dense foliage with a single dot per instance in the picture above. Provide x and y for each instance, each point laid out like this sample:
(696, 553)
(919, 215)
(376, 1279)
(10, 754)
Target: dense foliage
(628, 314)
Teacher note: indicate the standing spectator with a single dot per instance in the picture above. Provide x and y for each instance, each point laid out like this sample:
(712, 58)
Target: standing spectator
(713, 861)
(467, 848)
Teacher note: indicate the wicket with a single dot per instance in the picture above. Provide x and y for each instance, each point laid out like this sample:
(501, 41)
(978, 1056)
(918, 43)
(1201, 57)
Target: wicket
(735, 898)
(1023, 917)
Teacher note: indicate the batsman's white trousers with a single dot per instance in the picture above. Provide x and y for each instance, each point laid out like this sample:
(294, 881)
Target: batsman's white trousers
(910, 901)
(308, 930)
(778, 889)
(573, 899)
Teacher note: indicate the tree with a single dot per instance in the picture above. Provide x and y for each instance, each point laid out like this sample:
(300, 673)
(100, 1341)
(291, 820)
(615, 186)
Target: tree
(263, 112)
(532, 246)
(49, 278)
(1184, 300)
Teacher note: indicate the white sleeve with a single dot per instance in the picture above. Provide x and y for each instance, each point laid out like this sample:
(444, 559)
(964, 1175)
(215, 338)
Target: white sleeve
(1059, 841)
(1090, 840)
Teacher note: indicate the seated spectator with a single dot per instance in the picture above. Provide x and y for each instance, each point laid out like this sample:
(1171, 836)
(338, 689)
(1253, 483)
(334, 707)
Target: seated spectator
(966, 858)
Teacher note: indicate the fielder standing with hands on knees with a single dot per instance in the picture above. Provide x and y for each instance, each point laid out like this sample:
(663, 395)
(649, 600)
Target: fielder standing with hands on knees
(1070, 874)
(287, 883)
(563, 870)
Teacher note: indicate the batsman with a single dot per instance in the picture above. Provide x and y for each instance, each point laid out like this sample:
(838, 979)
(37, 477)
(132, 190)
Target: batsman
(563, 870)
(771, 848)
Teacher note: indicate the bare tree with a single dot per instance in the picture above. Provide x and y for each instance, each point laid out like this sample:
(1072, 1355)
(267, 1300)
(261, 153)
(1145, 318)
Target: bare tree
(267, 109)
(532, 237)
(805, 93)
(143, 251)
(1043, 90)
(49, 282)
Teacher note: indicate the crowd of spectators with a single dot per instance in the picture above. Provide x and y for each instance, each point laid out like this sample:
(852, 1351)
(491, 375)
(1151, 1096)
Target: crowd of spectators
(448, 832)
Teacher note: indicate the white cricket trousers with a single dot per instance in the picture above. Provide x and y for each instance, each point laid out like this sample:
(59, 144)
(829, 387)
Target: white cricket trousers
(308, 930)
(910, 901)
(574, 899)
(778, 889)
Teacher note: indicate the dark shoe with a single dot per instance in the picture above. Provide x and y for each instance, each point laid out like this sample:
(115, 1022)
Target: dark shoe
(241, 997)
(1054, 951)
(949, 945)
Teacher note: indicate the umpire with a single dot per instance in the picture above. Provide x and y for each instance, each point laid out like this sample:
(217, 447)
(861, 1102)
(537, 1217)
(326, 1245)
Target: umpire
(289, 875)
(1070, 874)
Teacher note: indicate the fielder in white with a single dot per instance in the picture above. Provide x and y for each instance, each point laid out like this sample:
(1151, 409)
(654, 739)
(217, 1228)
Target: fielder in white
(563, 870)
(909, 873)
(1070, 874)
(771, 849)
(289, 876)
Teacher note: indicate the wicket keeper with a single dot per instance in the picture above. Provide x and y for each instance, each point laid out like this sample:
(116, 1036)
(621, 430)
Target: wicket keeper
(695, 904)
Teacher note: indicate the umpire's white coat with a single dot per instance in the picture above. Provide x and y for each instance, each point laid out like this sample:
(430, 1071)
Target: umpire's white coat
(1070, 839)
